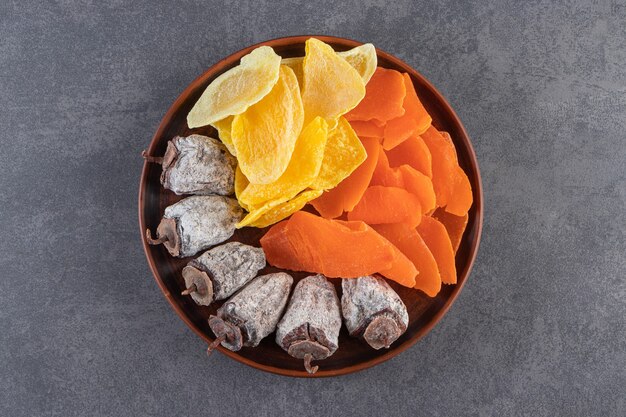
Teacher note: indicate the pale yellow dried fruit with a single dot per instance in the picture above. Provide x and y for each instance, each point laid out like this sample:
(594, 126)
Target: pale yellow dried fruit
(302, 170)
(331, 87)
(362, 58)
(265, 135)
(296, 65)
(277, 210)
(241, 182)
(343, 154)
(223, 128)
(237, 89)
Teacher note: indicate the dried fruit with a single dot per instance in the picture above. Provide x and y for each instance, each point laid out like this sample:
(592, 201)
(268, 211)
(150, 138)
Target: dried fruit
(409, 242)
(310, 243)
(309, 329)
(241, 182)
(381, 205)
(443, 163)
(362, 58)
(367, 129)
(277, 210)
(372, 310)
(412, 152)
(455, 225)
(343, 154)
(265, 134)
(460, 199)
(302, 170)
(414, 121)
(408, 178)
(237, 89)
(252, 313)
(331, 86)
(196, 223)
(436, 238)
(224, 128)
(219, 272)
(383, 98)
(196, 164)
(348, 193)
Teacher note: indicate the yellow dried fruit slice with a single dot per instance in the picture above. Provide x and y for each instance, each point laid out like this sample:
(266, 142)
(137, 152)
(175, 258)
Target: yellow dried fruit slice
(302, 170)
(362, 58)
(296, 65)
(331, 87)
(265, 135)
(237, 89)
(343, 154)
(277, 210)
(223, 128)
(241, 182)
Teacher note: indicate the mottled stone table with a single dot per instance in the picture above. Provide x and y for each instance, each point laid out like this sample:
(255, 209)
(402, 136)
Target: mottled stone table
(540, 328)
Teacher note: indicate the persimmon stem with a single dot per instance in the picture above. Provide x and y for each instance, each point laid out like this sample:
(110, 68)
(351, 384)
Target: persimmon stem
(152, 241)
(193, 288)
(307, 364)
(154, 159)
(215, 344)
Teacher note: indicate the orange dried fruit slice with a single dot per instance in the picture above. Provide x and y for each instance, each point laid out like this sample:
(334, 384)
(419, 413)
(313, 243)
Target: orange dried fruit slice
(412, 152)
(381, 205)
(409, 242)
(455, 225)
(237, 89)
(383, 98)
(414, 121)
(348, 193)
(265, 135)
(343, 154)
(331, 86)
(436, 237)
(302, 170)
(367, 129)
(443, 163)
(310, 243)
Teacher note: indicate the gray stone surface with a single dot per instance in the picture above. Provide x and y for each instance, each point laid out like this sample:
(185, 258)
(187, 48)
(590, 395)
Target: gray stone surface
(539, 329)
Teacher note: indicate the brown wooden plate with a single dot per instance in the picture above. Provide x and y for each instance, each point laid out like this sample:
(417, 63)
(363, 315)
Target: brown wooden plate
(352, 355)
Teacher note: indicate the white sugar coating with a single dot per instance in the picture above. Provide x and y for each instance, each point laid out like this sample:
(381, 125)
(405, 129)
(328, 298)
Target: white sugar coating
(314, 301)
(203, 166)
(230, 266)
(203, 221)
(257, 307)
(366, 296)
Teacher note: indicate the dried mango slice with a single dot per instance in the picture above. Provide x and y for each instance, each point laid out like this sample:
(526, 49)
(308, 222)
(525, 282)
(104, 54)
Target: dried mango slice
(223, 128)
(414, 121)
(367, 129)
(343, 154)
(302, 170)
(413, 152)
(265, 135)
(241, 182)
(296, 66)
(237, 89)
(280, 211)
(362, 58)
(348, 192)
(383, 99)
(331, 86)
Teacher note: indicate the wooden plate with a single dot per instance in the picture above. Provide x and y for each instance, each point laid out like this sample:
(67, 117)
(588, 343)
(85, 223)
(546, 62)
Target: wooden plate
(352, 354)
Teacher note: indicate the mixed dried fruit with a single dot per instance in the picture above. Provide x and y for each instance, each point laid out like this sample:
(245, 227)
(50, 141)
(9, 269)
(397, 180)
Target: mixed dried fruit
(353, 140)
